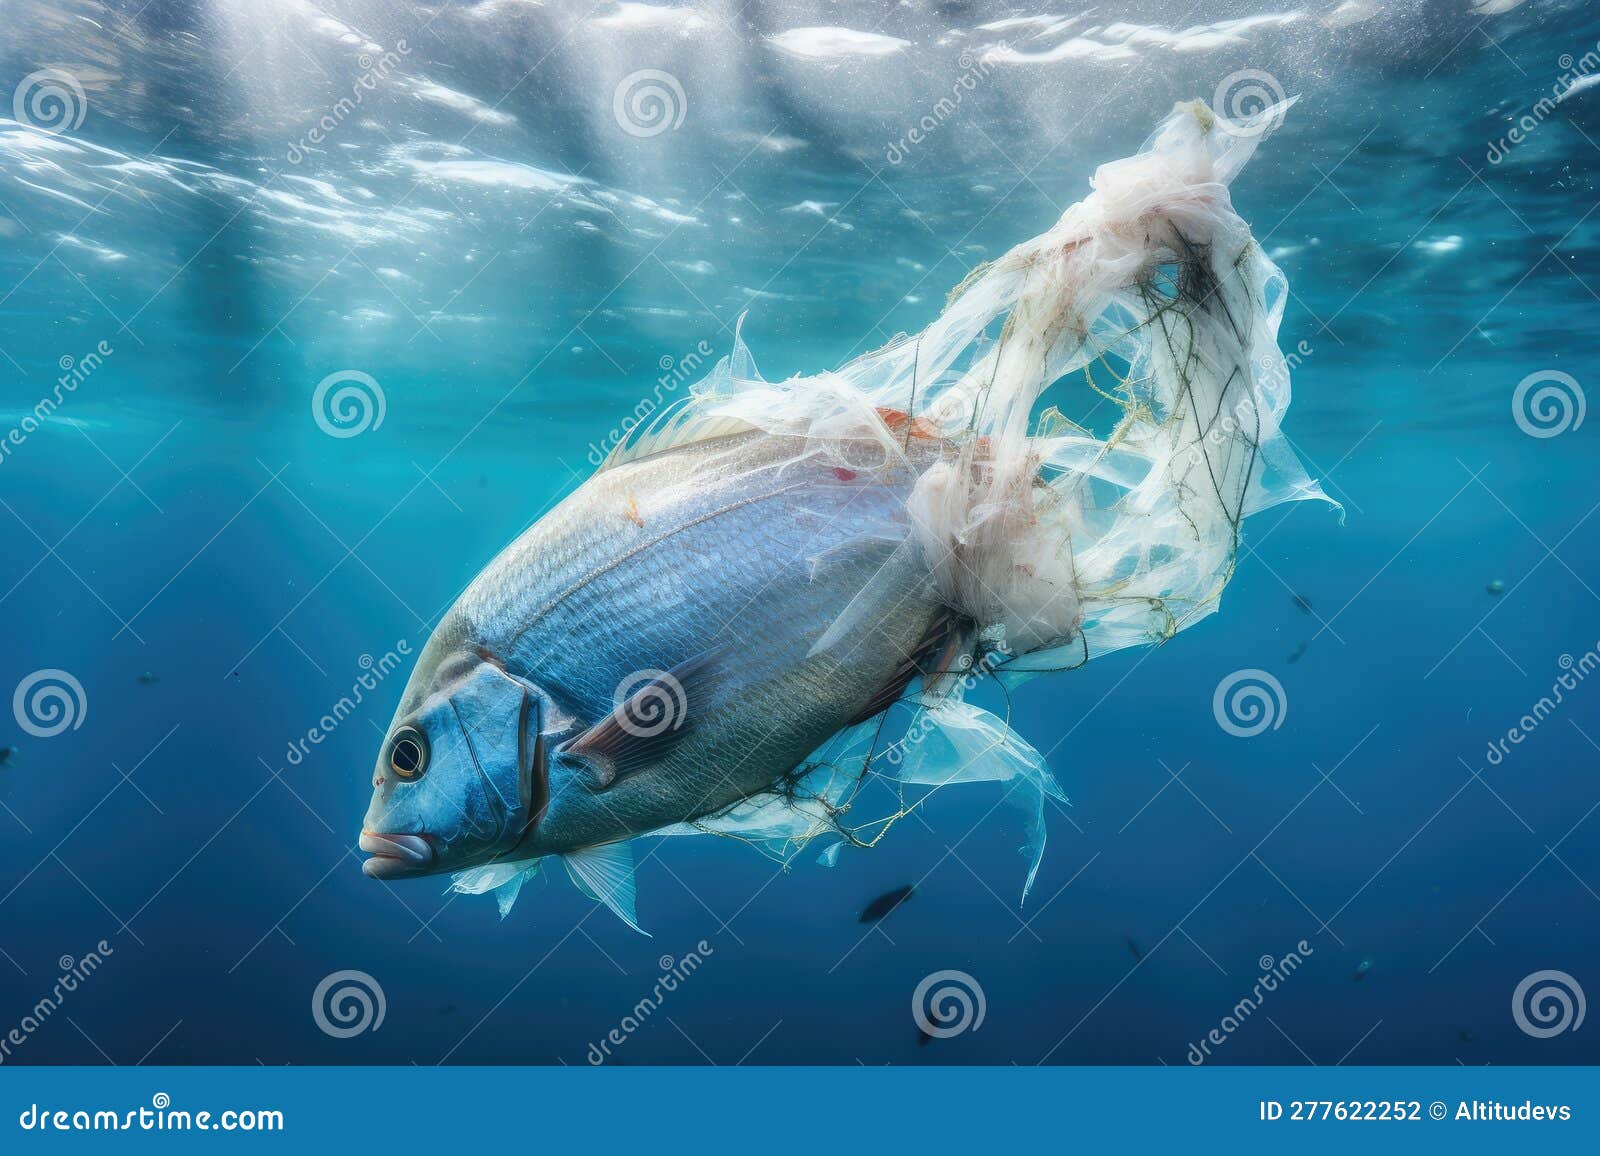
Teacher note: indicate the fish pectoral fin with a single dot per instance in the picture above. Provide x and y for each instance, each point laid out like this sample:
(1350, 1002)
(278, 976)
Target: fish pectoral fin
(653, 717)
(605, 874)
(947, 638)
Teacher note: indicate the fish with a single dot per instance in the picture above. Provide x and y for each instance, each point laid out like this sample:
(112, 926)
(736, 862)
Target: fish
(711, 634)
(1133, 948)
(885, 903)
(149, 678)
(1303, 604)
(6, 754)
(1361, 969)
(1298, 653)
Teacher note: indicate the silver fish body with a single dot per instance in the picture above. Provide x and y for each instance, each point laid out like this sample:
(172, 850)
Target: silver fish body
(738, 551)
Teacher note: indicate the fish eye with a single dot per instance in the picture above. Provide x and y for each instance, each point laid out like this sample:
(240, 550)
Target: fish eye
(408, 753)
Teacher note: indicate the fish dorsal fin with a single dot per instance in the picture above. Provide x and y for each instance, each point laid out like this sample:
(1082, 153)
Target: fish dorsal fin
(681, 424)
(694, 418)
(652, 717)
(605, 874)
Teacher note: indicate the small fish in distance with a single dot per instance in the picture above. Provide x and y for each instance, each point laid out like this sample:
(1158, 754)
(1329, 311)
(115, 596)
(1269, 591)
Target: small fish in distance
(886, 903)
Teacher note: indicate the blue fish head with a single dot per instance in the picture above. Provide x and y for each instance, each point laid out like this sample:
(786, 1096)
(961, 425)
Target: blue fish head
(461, 777)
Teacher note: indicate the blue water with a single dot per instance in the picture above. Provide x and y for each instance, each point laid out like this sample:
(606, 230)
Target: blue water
(481, 238)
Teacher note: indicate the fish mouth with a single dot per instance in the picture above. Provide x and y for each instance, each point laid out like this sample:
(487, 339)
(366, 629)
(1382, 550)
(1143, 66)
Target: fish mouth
(395, 856)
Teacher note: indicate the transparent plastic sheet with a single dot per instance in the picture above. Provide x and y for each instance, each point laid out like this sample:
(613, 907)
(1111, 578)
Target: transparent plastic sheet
(1151, 295)
(1152, 289)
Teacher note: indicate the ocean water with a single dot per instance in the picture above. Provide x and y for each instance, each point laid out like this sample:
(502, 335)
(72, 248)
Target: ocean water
(208, 208)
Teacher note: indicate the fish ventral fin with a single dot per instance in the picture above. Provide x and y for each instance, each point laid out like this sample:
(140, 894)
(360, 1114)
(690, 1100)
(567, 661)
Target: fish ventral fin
(605, 874)
(656, 713)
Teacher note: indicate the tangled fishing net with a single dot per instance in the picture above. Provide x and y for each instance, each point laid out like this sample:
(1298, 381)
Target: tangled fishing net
(1148, 302)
